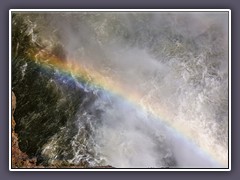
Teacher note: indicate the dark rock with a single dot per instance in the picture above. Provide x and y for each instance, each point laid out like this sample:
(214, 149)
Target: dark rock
(22, 160)
(19, 159)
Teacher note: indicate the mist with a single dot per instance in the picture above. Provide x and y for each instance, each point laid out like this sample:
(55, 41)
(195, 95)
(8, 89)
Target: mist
(176, 62)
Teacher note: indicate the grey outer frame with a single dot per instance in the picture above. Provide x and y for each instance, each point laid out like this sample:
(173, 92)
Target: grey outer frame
(5, 6)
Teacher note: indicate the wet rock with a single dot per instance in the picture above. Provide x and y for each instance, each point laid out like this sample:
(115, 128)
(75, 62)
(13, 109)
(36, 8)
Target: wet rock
(22, 160)
(19, 158)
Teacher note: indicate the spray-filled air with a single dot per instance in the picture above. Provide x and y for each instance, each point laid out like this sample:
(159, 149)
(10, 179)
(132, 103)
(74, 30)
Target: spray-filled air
(126, 89)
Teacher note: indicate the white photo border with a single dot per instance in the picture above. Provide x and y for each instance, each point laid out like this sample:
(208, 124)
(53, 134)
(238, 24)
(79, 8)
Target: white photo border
(122, 10)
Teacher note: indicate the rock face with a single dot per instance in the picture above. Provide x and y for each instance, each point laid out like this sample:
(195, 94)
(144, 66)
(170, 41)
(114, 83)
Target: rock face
(19, 159)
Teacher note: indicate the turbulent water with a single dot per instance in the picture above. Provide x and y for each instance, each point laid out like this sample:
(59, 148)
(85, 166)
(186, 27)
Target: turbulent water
(176, 62)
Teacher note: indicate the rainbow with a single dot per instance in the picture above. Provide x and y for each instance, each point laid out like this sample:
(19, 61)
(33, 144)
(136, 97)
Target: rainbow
(89, 74)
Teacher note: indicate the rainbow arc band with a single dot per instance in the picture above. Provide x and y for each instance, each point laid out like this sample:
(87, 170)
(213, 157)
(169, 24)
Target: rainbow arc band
(90, 75)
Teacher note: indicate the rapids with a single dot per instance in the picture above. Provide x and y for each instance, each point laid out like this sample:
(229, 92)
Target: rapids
(155, 94)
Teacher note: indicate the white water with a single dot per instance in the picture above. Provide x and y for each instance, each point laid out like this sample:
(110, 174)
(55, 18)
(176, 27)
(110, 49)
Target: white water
(132, 138)
(178, 61)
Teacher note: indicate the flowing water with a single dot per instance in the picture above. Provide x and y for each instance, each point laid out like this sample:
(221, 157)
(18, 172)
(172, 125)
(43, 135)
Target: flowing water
(126, 89)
